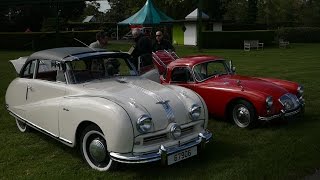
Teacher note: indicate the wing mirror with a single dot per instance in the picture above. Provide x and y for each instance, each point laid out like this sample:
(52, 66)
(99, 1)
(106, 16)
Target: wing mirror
(232, 68)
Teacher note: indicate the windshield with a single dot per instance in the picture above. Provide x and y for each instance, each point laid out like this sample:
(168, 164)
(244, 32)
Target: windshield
(89, 69)
(210, 69)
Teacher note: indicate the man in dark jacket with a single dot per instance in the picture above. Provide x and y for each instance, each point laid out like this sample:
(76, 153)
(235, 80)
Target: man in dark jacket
(161, 43)
(142, 49)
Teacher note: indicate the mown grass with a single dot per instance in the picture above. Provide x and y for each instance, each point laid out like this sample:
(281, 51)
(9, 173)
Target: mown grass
(272, 151)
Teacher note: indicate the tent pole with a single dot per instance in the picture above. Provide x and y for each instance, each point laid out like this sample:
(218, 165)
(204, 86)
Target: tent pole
(117, 32)
(199, 25)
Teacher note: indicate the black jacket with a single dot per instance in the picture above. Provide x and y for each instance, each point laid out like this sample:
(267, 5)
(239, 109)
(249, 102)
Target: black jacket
(142, 48)
(162, 45)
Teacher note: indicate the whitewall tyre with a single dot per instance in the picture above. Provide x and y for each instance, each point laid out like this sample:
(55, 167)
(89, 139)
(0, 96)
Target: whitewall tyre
(93, 147)
(23, 127)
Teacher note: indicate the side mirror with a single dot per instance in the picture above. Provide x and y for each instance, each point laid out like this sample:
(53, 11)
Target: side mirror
(232, 68)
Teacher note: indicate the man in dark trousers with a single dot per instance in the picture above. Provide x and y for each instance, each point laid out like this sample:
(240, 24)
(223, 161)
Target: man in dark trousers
(161, 43)
(142, 49)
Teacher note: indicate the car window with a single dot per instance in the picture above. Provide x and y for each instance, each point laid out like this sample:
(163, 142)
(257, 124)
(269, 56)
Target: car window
(181, 74)
(98, 68)
(50, 70)
(209, 69)
(29, 70)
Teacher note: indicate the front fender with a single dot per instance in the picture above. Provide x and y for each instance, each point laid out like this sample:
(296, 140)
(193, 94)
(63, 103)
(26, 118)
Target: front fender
(112, 119)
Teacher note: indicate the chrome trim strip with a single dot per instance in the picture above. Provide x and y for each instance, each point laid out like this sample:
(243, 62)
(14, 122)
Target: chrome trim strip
(203, 138)
(279, 115)
(39, 128)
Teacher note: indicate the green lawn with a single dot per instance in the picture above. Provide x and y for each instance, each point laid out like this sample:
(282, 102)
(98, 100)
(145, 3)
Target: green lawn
(273, 151)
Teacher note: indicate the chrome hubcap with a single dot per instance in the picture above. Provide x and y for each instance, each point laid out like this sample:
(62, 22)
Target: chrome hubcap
(241, 115)
(97, 150)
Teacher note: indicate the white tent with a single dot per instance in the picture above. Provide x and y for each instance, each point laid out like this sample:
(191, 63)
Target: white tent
(190, 34)
(194, 15)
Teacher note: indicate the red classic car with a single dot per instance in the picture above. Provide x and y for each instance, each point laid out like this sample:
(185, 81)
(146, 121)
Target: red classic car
(243, 99)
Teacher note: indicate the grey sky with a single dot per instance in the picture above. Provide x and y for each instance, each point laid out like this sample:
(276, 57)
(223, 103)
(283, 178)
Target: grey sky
(104, 5)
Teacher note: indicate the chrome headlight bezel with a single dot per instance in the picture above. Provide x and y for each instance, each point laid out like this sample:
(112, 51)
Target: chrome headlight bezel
(195, 112)
(269, 102)
(144, 123)
(300, 91)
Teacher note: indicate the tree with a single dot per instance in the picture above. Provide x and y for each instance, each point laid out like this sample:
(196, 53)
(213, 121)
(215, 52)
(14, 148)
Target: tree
(31, 14)
(252, 11)
(235, 10)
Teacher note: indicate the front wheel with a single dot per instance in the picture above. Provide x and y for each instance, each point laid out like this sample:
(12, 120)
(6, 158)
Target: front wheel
(243, 114)
(93, 148)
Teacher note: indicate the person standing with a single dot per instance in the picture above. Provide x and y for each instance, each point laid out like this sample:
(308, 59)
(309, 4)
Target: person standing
(101, 40)
(142, 49)
(161, 43)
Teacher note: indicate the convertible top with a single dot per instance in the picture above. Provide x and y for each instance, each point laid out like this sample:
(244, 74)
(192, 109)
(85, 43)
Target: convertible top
(70, 53)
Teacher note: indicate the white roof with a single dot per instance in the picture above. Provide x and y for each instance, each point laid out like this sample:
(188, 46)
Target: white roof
(194, 15)
(89, 19)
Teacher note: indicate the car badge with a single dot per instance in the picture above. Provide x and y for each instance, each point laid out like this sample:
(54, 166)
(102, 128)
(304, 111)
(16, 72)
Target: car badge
(168, 109)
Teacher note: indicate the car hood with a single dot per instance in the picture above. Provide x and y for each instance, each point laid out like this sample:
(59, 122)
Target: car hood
(246, 83)
(140, 96)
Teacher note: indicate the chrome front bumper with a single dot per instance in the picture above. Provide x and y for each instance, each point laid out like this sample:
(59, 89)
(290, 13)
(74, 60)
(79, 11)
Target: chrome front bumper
(283, 114)
(163, 151)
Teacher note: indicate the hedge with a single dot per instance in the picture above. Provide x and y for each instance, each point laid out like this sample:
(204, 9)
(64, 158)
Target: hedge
(44, 40)
(300, 34)
(234, 39)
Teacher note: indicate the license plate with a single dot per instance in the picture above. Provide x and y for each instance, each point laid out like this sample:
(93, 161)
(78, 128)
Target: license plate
(179, 156)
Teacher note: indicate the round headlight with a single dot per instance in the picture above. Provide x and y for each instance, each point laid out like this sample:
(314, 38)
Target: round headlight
(144, 123)
(195, 112)
(269, 102)
(300, 90)
(175, 131)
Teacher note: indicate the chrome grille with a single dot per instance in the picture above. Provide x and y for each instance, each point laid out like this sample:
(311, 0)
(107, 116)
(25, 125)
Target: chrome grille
(289, 101)
(187, 130)
(164, 137)
(155, 139)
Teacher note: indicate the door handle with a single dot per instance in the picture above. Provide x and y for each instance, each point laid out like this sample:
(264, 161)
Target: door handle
(29, 87)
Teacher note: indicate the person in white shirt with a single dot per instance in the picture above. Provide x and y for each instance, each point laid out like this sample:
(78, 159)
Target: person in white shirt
(101, 42)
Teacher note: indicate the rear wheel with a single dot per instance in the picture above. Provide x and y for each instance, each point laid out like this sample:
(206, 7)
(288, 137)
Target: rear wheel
(22, 126)
(243, 114)
(93, 148)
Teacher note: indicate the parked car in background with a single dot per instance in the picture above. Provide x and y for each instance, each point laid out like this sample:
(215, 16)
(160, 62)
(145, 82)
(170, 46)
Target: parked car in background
(242, 99)
(95, 100)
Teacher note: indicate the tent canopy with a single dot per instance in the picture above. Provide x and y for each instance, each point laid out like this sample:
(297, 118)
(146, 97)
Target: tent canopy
(194, 15)
(147, 15)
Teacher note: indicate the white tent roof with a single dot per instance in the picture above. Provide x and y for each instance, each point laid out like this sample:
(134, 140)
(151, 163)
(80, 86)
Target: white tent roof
(89, 19)
(194, 15)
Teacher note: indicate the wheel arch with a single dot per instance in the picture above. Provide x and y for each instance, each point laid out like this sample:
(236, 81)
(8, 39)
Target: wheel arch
(80, 129)
(232, 102)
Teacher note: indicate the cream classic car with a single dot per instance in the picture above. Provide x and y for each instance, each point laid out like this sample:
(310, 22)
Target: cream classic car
(95, 100)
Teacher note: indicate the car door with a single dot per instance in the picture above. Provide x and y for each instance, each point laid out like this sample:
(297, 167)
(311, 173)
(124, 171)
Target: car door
(18, 89)
(44, 97)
